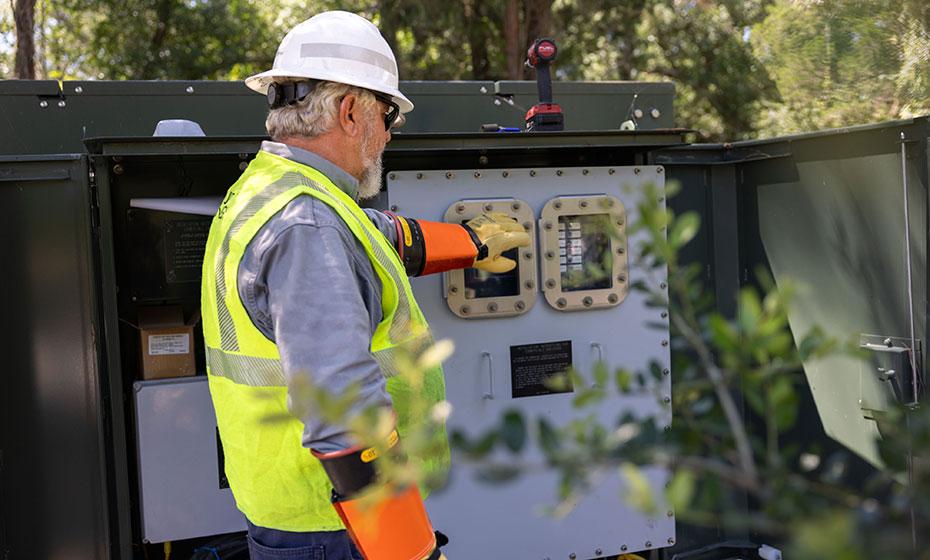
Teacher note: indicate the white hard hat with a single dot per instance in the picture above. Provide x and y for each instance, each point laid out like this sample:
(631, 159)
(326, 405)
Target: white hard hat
(339, 47)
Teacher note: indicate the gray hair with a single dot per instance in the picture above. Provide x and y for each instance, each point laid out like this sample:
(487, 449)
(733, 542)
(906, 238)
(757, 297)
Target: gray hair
(316, 114)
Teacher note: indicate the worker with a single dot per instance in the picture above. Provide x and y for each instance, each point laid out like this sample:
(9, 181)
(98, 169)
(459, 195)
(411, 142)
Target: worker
(300, 283)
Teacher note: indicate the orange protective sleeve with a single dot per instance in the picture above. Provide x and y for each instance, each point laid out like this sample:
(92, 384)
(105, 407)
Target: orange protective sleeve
(394, 529)
(447, 247)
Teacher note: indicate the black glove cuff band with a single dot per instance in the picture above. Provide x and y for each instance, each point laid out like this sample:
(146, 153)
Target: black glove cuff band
(482, 248)
(415, 252)
(348, 474)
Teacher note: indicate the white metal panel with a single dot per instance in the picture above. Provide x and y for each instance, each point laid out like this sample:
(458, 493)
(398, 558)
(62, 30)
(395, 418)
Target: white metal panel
(179, 472)
(505, 521)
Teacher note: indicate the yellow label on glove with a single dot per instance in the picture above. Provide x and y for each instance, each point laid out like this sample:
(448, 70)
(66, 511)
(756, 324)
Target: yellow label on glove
(371, 453)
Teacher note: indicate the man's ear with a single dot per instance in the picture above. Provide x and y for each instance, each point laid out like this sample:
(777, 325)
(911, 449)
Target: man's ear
(350, 115)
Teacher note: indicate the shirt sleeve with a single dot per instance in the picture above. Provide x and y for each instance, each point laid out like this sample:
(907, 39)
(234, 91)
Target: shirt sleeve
(384, 223)
(322, 325)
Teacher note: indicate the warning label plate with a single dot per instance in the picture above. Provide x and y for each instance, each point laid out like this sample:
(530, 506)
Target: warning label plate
(532, 364)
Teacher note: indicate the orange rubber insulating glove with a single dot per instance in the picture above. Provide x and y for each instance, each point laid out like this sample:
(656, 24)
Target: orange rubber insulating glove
(431, 247)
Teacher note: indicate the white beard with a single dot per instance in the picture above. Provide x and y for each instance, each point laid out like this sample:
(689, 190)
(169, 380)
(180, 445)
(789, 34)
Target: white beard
(370, 184)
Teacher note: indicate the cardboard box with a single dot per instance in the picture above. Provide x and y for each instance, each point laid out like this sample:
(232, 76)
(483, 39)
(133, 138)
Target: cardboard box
(167, 343)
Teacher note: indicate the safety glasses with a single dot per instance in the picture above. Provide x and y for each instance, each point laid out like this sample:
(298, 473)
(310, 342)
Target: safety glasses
(391, 116)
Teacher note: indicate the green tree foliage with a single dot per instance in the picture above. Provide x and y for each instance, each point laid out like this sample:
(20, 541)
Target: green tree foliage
(844, 62)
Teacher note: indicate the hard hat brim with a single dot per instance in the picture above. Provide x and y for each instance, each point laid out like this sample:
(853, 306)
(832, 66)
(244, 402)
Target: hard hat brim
(259, 83)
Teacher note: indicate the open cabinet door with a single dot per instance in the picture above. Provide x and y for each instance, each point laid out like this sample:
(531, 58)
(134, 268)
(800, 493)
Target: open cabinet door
(53, 492)
(828, 212)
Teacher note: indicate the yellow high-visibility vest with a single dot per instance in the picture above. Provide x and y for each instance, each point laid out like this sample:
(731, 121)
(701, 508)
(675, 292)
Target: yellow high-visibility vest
(275, 480)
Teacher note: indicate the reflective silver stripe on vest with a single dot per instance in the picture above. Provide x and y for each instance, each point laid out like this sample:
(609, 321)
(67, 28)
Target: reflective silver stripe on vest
(246, 370)
(228, 339)
(348, 52)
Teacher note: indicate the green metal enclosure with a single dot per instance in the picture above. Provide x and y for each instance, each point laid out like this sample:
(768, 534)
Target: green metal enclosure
(826, 209)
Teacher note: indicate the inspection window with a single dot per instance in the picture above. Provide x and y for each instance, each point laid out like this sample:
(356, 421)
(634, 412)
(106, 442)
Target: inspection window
(583, 245)
(475, 294)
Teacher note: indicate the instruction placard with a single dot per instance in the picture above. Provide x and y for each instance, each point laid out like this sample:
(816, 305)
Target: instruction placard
(167, 344)
(185, 243)
(532, 364)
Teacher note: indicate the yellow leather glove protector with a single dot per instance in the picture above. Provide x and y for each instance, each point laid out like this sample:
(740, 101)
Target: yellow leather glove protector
(498, 233)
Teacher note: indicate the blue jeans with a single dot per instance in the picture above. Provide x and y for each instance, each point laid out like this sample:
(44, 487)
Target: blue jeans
(271, 544)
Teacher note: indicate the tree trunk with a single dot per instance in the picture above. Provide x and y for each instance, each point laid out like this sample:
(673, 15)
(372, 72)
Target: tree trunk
(538, 21)
(514, 46)
(24, 15)
(477, 33)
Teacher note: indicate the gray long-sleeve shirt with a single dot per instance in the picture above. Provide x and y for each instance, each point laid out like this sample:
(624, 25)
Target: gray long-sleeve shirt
(307, 284)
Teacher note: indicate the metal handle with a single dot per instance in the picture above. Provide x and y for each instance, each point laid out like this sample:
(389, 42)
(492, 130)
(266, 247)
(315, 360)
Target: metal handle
(907, 263)
(490, 392)
(600, 356)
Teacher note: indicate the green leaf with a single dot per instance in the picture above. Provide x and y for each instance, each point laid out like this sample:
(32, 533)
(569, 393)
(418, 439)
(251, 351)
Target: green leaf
(638, 492)
(513, 431)
(497, 474)
(684, 229)
(624, 379)
(549, 439)
(680, 490)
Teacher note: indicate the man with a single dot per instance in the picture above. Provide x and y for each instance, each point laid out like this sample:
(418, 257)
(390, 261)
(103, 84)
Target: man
(301, 285)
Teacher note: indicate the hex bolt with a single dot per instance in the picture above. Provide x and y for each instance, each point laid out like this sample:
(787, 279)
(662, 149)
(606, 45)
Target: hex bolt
(190, 89)
(621, 278)
(637, 171)
(488, 207)
(611, 171)
(118, 169)
(661, 199)
(670, 513)
(515, 206)
(450, 175)
(393, 208)
(559, 172)
(598, 551)
(492, 307)
(648, 544)
(459, 208)
(572, 556)
(660, 170)
(43, 104)
(392, 176)
(453, 289)
(505, 174)
(583, 204)
(465, 310)
(519, 305)
(613, 298)
(483, 89)
(550, 254)
(482, 160)
(419, 175)
(665, 371)
(585, 172)
(638, 113)
(550, 283)
(667, 400)
(670, 541)
(62, 103)
(527, 226)
(547, 225)
(532, 172)
(619, 250)
(477, 174)
(557, 205)
(527, 255)
(588, 301)
(529, 285)
(79, 89)
(668, 428)
(655, 113)
(243, 165)
(664, 343)
(623, 548)
(664, 314)
(663, 285)
(561, 302)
